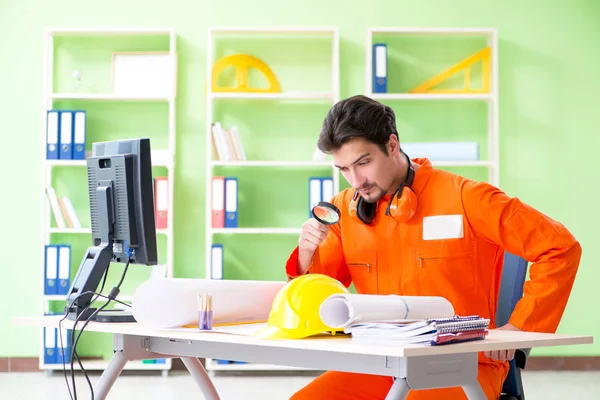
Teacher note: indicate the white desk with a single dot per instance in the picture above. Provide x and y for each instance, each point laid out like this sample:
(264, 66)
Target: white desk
(415, 367)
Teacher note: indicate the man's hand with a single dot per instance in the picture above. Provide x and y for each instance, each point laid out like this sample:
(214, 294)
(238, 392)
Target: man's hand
(312, 234)
(502, 355)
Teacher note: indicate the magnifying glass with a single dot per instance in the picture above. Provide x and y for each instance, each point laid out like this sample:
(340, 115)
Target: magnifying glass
(326, 213)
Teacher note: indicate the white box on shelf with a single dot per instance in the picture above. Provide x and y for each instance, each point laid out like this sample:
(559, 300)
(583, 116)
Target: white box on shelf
(144, 73)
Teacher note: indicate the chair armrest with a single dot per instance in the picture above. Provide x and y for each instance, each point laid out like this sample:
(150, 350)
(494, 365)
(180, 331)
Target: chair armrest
(521, 357)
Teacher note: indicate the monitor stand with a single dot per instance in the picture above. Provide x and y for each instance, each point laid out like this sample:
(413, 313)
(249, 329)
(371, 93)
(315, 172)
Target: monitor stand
(93, 266)
(114, 316)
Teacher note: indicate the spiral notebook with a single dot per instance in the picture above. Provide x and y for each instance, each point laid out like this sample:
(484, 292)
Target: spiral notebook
(430, 331)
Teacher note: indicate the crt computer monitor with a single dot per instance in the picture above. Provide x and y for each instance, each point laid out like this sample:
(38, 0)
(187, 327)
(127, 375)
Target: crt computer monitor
(121, 195)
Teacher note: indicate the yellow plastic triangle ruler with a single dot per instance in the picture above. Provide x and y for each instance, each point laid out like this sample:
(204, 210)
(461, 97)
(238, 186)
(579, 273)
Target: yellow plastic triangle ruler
(463, 66)
(242, 63)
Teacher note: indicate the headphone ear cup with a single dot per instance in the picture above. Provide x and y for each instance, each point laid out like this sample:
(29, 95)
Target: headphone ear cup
(405, 205)
(365, 211)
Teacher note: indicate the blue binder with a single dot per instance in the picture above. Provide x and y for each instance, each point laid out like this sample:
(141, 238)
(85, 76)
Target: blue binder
(379, 68)
(52, 132)
(50, 345)
(64, 269)
(66, 135)
(51, 270)
(79, 128)
(231, 202)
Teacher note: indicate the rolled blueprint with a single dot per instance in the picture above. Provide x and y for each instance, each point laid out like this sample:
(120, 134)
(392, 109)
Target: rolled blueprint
(342, 310)
(173, 302)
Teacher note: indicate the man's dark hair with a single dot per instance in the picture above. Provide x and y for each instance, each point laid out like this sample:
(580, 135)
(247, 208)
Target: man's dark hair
(357, 117)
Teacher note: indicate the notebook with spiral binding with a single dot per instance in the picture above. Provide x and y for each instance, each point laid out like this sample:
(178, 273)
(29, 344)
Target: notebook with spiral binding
(431, 331)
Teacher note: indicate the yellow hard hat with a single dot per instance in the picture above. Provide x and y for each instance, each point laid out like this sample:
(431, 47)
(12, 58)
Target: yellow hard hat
(295, 310)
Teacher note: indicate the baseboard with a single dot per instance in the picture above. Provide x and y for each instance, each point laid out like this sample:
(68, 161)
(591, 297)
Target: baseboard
(19, 364)
(31, 364)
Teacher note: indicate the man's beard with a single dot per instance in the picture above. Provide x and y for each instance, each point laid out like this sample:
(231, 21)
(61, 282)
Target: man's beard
(374, 195)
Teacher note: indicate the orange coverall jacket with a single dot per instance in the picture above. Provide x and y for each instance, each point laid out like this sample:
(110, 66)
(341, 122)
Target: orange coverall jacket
(389, 257)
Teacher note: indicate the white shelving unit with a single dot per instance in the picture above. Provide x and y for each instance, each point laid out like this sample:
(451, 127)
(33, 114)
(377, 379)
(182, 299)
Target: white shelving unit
(330, 96)
(491, 98)
(160, 158)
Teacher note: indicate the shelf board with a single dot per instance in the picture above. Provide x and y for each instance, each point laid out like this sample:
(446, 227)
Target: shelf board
(272, 163)
(70, 230)
(107, 97)
(61, 297)
(256, 231)
(97, 365)
(432, 96)
(273, 96)
(89, 230)
(481, 163)
(272, 30)
(109, 31)
(433, 30)
(83, 163)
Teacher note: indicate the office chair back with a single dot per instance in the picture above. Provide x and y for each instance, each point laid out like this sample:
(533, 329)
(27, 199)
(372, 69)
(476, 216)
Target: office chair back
(511, 290)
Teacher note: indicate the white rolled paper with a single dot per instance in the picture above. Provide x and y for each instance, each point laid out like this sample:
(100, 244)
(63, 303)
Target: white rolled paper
(342, 310)
(173, 302)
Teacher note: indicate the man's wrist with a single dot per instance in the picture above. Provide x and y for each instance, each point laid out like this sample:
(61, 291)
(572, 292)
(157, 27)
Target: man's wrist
(304, 260)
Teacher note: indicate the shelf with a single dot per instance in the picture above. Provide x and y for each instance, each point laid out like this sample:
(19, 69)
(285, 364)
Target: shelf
(290, 164)
(67, 181)
(89, 230)
(432, 96)
(256, 231)
(273, 96)
(107, 97)
(99, 365)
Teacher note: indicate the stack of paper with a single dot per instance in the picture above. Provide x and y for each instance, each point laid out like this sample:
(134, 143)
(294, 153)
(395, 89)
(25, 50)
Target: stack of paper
(434, 331)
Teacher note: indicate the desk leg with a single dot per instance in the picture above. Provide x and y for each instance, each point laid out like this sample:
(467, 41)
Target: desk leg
(399, 390)
(201, 377)
(474, 391)
(110, 375)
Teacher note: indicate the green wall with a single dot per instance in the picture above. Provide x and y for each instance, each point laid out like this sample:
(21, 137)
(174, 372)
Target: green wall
(548, 57)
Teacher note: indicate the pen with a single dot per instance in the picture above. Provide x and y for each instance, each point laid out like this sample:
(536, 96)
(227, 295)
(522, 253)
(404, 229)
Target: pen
(205, 316)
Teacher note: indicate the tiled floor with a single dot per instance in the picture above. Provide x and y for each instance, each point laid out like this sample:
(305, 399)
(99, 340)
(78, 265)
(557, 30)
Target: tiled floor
(179, 386)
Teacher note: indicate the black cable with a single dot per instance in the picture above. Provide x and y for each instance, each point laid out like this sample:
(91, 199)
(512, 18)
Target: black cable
(74, 350)
(61, 339)
(111, 297)
(74, 353)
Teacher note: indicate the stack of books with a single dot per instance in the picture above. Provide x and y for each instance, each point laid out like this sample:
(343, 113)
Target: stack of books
(435, 331)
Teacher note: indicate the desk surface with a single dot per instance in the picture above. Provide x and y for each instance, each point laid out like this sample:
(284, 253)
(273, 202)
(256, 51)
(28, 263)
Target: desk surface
(496, 340)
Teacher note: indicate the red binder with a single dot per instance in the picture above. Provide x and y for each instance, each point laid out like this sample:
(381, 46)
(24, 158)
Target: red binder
(161, 201)
(218, 202)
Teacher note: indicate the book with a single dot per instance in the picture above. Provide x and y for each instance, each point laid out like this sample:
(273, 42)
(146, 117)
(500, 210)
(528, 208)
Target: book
(431, 331)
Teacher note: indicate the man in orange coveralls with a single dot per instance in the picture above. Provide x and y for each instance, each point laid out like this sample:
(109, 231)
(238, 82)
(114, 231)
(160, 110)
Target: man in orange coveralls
(439, 235)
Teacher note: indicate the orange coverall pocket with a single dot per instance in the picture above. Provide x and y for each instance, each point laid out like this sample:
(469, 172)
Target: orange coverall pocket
(363, 275)
(446, 267)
